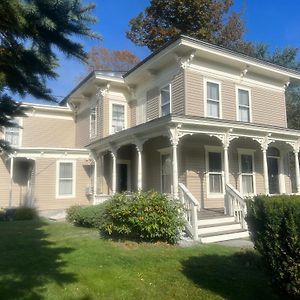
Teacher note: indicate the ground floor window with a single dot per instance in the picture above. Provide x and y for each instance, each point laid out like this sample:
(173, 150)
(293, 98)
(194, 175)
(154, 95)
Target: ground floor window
(246, 166)
(65, 179)
(166, 173)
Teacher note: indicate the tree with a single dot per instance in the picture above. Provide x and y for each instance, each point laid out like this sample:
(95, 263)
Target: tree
(101, 58)
(29, 32)
(209, 20)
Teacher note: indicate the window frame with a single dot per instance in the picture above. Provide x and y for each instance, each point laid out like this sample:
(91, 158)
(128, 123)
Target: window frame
(219, 83)
(73, 195)
(18, 120)
(244, 88)
(112, 103)
(215, 149)
(165, 151)
(170, 99)
(250, 152)
(94, 134)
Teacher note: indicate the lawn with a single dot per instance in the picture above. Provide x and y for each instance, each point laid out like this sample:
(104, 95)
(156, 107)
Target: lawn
(47, 260)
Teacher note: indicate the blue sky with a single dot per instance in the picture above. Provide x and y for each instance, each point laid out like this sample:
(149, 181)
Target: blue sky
(274, 22)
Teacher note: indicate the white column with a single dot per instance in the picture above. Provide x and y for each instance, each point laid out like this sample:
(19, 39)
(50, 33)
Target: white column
(265, 168)
(114, 172)
(140, 167)
(296, 152)
(175, 169)
(95, 176)
(226, 165)
(11, 180)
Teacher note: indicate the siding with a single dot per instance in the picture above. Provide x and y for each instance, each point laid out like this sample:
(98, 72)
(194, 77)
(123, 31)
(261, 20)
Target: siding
(82, 136)
(152, 106)
(228, 100)
(132, 111)
(178, 94)
(48, 132)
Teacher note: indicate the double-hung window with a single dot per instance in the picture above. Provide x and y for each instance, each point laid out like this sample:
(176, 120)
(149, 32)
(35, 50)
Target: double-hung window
(118, 117)
(93, 122)
(165, 100)
(243, 96)
(215, 172)
(213, 99)
(12, 134)
(65, 180)
(166, 173)
(247, 173)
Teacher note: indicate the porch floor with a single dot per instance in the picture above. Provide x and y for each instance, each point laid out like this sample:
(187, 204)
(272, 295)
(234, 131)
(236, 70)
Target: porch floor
(209, 213)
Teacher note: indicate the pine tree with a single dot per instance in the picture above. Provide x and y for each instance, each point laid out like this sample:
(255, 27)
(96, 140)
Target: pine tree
(30, 31)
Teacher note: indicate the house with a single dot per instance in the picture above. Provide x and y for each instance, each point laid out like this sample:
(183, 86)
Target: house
(199, 122)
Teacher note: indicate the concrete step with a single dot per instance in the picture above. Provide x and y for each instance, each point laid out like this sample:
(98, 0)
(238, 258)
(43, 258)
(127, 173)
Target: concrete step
(214, 221)
(223, 236)
(215, 228)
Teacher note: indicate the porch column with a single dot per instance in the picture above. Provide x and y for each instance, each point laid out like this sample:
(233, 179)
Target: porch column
(175, 169)
(266, 173)
(139, 148)
(11, 180)
(296, 152)
(114, 171)
(226, 164)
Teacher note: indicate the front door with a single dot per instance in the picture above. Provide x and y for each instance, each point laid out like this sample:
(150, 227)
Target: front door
(273, 175)
(122, 180)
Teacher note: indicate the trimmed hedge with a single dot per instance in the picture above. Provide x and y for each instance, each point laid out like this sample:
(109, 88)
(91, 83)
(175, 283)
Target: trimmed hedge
(143, 216)
(18, 214)
(86, 216)
(274, 225)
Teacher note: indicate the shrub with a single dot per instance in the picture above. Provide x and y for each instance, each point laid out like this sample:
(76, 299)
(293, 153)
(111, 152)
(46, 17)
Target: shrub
(145, 216)
(274, 224)
(25, 213)
(86, 216)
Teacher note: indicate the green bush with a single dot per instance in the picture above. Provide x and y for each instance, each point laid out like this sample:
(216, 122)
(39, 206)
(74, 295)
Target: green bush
(86, 216)
(25, 213)
(274, 224)
(144, 216)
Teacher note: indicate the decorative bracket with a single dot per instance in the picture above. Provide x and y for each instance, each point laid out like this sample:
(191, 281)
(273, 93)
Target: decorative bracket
(174, 134)
(103, 90)
(244, 72)
(185, 61)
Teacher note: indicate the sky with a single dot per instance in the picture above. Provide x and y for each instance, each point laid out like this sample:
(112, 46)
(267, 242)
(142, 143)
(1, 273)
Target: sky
(274, 22)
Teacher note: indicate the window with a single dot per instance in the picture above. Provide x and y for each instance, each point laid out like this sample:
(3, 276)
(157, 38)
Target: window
(118, 117)
(93, 122)
(12, 134)
(243, 105)
(215, 180)
(165, 100)
(213, 99)
(166, 171)
(246, 165)
(66, 182)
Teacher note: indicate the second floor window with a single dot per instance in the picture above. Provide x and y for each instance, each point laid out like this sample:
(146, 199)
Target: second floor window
(93, 122)
(12, 134)
(213, 100)
(165, 100)
(243, 105)
(118, 117)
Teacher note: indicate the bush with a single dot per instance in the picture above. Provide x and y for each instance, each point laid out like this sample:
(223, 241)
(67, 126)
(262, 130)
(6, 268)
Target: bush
(86, 216)
(274, 224)
(18, 214)
(144, 216)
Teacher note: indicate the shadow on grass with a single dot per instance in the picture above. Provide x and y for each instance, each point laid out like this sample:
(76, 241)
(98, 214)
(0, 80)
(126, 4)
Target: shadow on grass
(28, 261)
(234, 277)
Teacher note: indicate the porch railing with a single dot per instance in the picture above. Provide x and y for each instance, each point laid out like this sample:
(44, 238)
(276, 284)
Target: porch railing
(100, 198)
(190, 205)
(235, 205)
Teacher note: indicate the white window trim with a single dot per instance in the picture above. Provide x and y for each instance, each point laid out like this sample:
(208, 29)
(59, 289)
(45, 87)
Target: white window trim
(73, 195)
(246, 152)
(111, 103)
(205, 81)
(237, 88)
(128, 163)
(218, 149)
(20, 121)
(96, 121)
(170, 91)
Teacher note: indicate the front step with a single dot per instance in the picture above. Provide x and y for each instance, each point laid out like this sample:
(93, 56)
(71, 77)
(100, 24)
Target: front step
(214, 221)
(218, 228)
(223, 236)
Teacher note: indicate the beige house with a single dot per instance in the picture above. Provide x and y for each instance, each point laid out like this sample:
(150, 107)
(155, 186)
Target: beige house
(193, 120)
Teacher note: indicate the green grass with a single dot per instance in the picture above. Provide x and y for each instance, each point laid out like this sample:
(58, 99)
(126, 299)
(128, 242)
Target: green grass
(43, 260)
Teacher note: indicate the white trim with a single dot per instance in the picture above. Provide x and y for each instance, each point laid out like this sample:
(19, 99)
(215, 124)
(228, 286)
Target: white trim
(73, 195)
(219, 83)
(216, 149)
(117, 102)
(128, 163)
(242, 151)
(243, 88)
(170, 100)
(93, 132)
